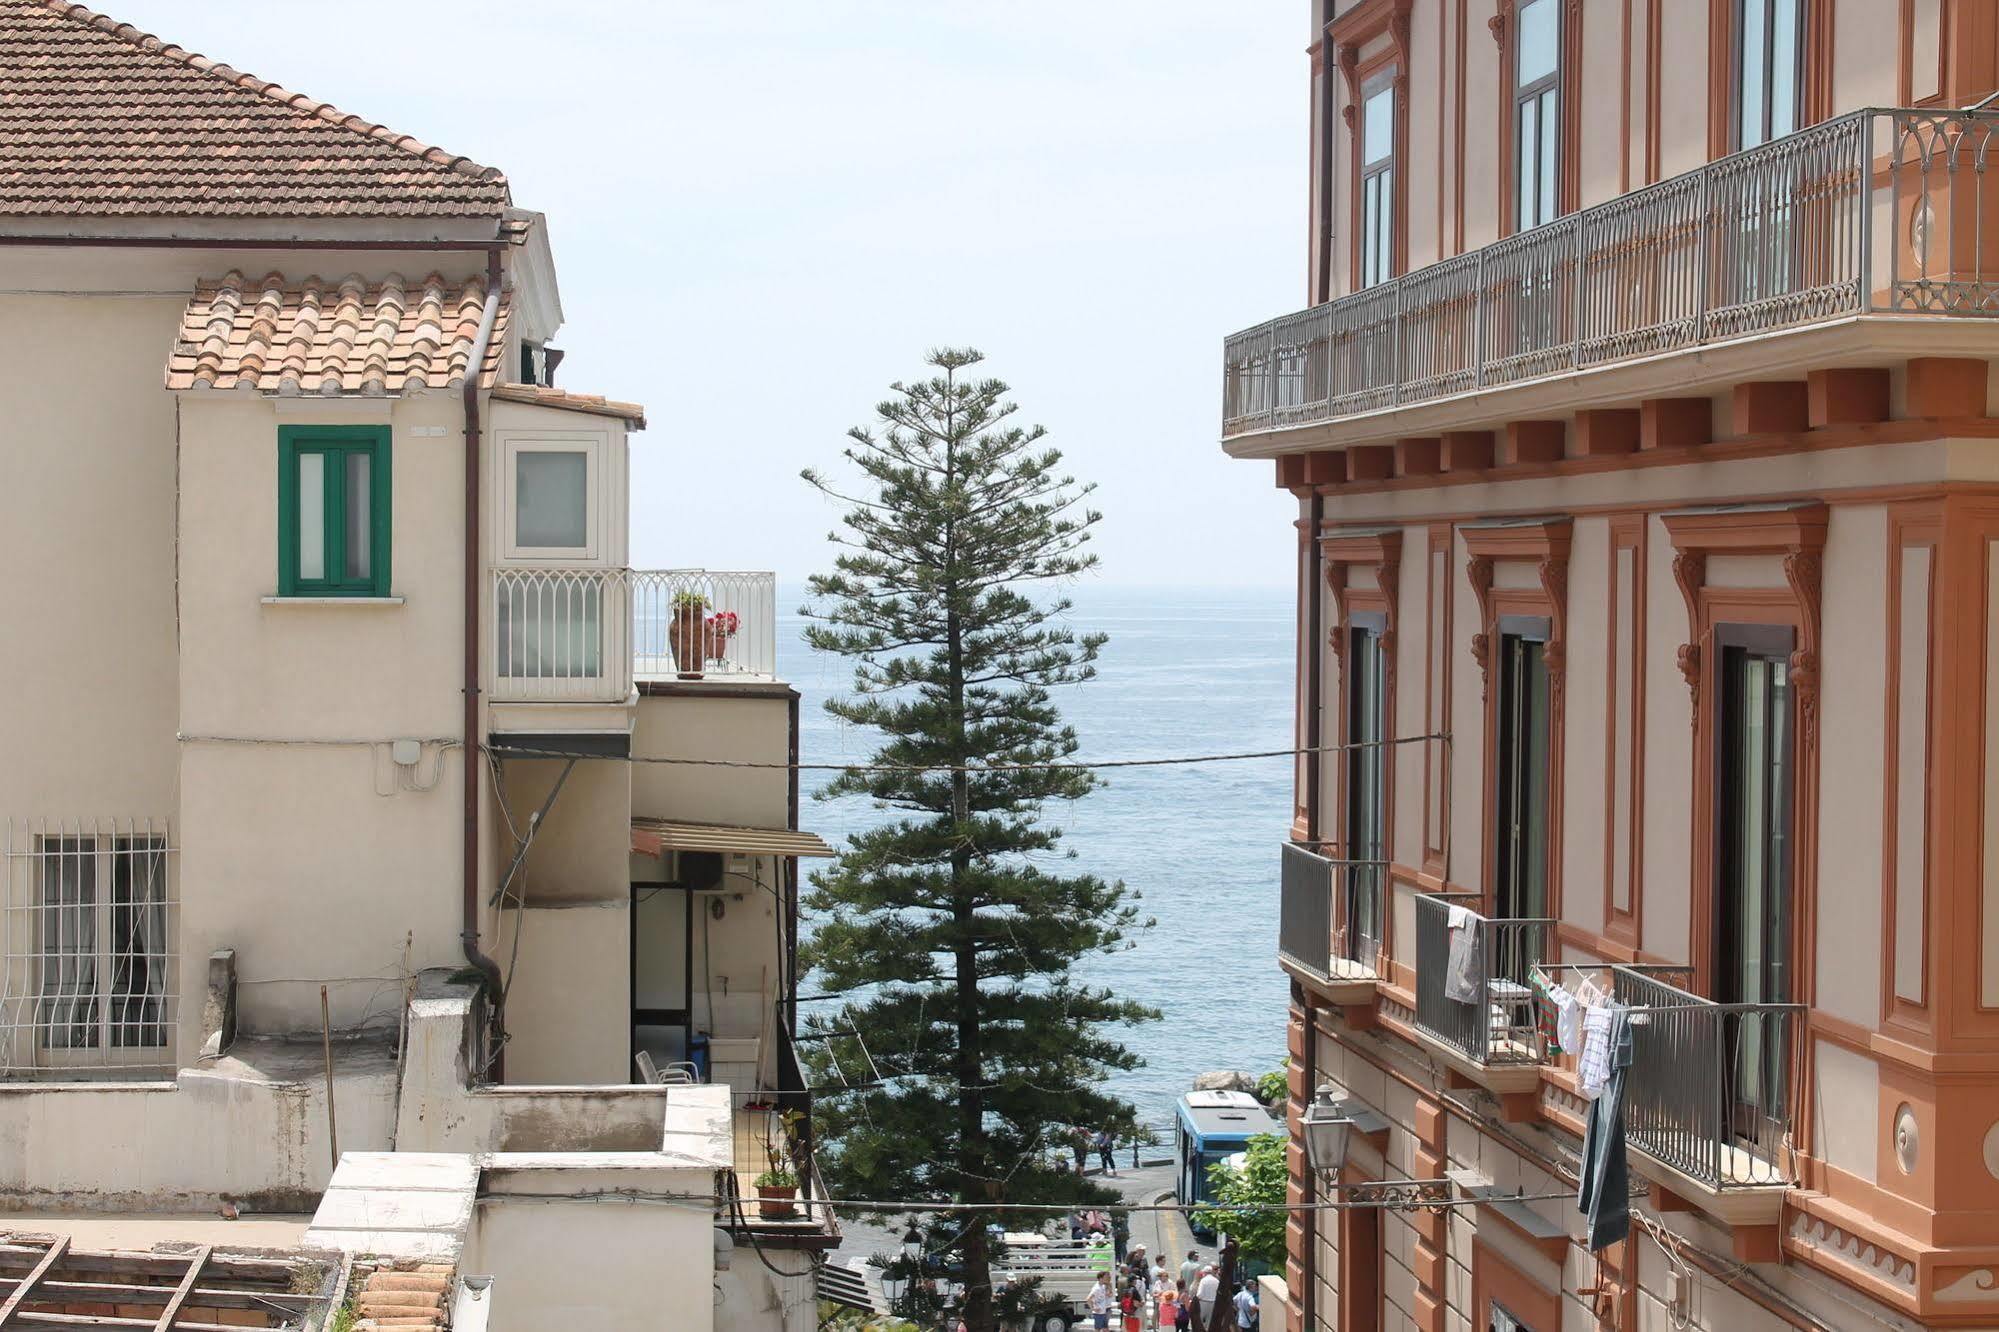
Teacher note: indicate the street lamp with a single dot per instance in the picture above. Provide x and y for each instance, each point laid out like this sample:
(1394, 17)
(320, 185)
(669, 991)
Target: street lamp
(1326, 1125)
(912, 1243)
(893, 1286)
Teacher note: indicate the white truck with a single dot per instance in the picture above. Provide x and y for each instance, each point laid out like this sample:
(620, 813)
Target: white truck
(1066, 1269)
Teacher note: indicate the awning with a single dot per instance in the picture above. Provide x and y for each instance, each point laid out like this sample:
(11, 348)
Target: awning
(655, 837)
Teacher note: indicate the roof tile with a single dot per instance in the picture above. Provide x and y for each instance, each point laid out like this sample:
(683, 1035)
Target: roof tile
(324, 338)
(100, 119)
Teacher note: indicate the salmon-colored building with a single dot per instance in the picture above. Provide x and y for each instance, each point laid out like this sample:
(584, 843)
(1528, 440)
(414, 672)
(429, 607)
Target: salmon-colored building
(1642, 432)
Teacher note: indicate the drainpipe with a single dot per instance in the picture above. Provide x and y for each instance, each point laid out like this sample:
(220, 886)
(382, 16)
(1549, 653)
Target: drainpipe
(469, 932)
(1313, 629)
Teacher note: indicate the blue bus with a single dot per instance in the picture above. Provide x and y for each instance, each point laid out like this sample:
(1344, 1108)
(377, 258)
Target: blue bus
(1212, 1126)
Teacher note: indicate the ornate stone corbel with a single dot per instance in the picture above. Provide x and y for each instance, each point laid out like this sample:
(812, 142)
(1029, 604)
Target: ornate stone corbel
(1479, 571)
(1690, 571)
(1554, 574)
(1803, 571)
(1336, 637)
(1498, 24)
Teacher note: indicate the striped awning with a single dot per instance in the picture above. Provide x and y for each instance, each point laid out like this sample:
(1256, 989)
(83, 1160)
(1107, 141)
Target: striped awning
(655, 837)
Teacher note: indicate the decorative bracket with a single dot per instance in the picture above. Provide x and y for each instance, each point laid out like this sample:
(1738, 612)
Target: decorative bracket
(1545, 541)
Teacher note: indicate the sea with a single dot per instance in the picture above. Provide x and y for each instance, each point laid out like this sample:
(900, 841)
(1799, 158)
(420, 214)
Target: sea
(1186, 672)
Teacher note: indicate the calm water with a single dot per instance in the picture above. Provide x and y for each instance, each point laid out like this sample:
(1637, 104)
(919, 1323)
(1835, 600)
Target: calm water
(1184, 673)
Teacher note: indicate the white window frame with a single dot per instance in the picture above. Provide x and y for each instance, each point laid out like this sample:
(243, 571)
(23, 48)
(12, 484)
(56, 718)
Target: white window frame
(592, 446)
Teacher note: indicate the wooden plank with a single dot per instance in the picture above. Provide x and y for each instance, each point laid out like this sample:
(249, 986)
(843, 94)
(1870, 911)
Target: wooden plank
(36, 1319)
(205, 1297)
(41, 1269)
(172, 1311)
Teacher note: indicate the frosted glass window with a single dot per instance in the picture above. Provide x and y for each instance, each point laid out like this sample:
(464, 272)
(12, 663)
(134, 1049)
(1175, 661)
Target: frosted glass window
(357, 545)
(1540, 35)
(312, 515)
(551, 499)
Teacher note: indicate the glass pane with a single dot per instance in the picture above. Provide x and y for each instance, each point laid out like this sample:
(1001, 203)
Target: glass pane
(139, 944)
(359, 559)
(1551, 134)
(1385, 245)
(1752, 66)
(68, 1014)
(1752, 821)
(312, 515)
(1378, 126)
(1538, 51)
(1533, 897)
(1784, 68)
(1525, 159)
(551, 499)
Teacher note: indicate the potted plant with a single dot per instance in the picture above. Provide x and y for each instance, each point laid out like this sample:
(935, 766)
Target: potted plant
(776, 1188)
(720, 628)
(686, 634)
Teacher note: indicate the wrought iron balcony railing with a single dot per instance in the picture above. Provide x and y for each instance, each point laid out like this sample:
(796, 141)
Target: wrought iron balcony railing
(1486, 1013)
(1329, 915)
(1712, 1087)
(1874, 211)
(584, 635)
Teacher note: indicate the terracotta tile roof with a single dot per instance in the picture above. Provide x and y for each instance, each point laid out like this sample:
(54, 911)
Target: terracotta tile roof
(594, 403)
(409, 1299)
(100, 119)
(324, 338)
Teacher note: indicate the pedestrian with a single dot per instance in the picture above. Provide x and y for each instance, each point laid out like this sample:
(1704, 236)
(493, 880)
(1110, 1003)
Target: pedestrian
(1133, 1305)
(1134, 1261)
(1245, 1308)
(1106, 1146)
(1101, 1302)
(1079, 1143)
(1190, 1270)
(1169, 1306)
(1076, 1226)
(1206, 1292)
(1159, 1276)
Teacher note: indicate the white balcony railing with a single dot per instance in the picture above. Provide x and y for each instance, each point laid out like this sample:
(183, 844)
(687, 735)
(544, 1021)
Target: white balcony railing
(1874, 211)
(584, 635)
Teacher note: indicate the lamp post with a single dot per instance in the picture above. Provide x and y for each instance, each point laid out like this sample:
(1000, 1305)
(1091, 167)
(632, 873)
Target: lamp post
(1326, 1125)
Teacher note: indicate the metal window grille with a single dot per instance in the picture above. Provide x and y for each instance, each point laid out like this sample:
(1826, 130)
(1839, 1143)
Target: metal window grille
(89, 978)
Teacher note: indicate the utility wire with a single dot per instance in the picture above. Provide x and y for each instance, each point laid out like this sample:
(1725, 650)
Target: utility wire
(514, 751)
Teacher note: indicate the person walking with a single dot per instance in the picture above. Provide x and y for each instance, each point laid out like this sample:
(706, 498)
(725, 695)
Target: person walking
(1106, 1148)
(1245, 1308)
(1101, 1302)
(1133, 1305)
(1207, 1291)
(1169, 1306)
(1188, 1271)
(1079, 1143)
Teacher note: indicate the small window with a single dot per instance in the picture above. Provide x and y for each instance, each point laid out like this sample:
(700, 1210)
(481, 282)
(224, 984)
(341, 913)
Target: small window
(333, 511)
(1377, 185)
(552, 499)
(1537, 131)
(1769, 69)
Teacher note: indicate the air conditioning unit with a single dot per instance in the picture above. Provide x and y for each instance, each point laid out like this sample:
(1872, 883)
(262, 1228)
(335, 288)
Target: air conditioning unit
(698, 870)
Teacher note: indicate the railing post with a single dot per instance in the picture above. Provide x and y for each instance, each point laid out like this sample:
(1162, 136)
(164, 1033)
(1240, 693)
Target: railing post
(1270, 373)
(1576, 276)
(1703, 253)
(1395, 373)
(1478, 326)
(1866, 168)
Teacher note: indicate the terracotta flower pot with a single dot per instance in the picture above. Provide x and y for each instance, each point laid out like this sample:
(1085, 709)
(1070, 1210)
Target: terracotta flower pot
(775, 1200)
(687, 636)
(718, 643)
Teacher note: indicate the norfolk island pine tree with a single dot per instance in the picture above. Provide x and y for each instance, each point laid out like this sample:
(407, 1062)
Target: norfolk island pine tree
(954, 921)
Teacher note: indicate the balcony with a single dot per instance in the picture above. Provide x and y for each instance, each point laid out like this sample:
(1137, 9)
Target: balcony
(1878, 212)
(1315, 941)
(1482, 1024)
(586, 635)
(1709, 1099)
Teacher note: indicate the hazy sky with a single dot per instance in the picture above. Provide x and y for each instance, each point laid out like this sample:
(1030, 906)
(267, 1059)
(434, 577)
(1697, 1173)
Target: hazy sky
(763, 211)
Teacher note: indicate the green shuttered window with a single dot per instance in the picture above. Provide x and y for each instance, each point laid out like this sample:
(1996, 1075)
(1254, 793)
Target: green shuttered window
(333, 511)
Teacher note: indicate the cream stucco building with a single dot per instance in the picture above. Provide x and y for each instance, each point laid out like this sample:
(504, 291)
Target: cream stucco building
(1648, 501)
(345, 754)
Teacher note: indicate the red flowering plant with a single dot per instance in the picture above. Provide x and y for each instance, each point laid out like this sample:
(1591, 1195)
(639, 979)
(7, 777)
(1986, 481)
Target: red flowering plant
(723, 624)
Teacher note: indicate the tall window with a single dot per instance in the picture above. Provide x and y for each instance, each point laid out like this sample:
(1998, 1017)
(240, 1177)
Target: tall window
(1365, 842)
(104, 949)
(1377, 184)
(1537, 124)
(1753, 878)
(333, 511)
(1521, 890)
(1769, 69)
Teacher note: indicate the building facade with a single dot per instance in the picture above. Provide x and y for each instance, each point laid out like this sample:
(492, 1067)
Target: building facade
(338, 717)
(1648, 561)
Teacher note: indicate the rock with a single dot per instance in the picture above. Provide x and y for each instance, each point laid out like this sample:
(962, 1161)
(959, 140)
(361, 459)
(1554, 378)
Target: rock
(1225, 1080)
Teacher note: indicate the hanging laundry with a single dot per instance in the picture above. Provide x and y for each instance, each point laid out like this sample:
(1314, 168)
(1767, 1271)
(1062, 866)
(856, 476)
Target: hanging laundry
(1603, 1195)
(1568, 1021)
(1548, 998)
(1461, 968)
(1593, 1065)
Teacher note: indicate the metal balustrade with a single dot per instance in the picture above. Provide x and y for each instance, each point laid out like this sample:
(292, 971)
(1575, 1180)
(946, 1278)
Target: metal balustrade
(584, 635)
(1712, 1086)
(1315, 902)
(1873, 211)
(1495, 1024)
